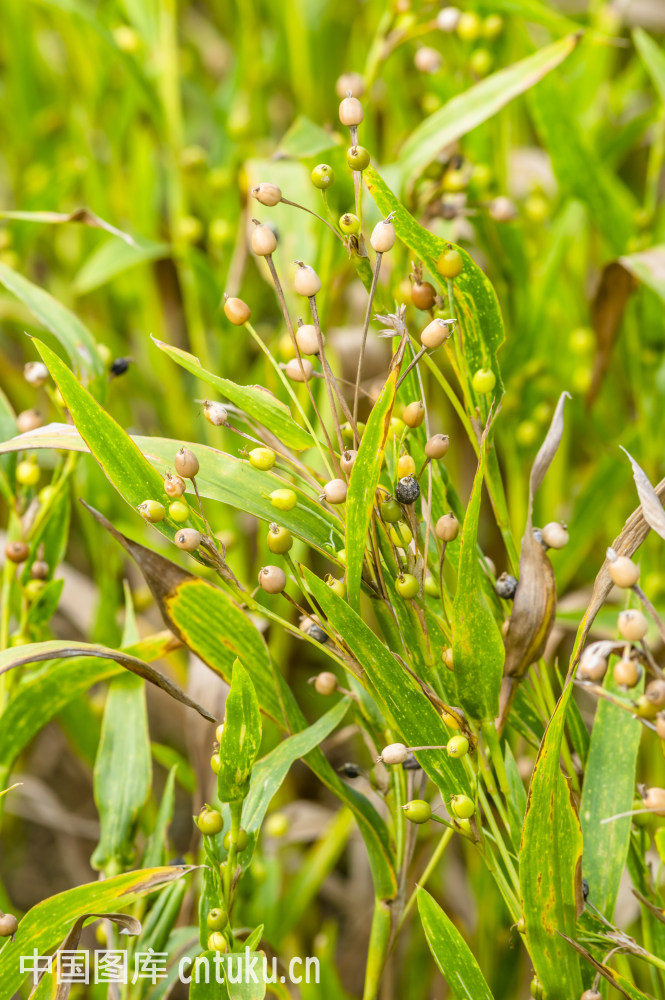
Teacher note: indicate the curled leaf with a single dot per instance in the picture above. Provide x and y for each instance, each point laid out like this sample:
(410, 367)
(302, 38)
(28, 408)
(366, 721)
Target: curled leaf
(652, 508)
(62, 650)
(534, 607)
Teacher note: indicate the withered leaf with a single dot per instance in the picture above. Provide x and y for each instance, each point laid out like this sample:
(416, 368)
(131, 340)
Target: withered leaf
(633, 533)
(652, 508)
(609, 974)
(658, 911)
(609, 304)
(534, 606)
(82, 215)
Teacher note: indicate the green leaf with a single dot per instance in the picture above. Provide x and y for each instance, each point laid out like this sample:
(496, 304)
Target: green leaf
(133, 476)
(58, 649)
(551, 866)
(362, 486)
(70, 331)
(221, 477)
(40, 698)
(530, 10)
(478, 650)
(305, 138)
(270, 412)
(578, 167)
(480, 102)
(648, 266)
(269, 773)
(122, 774)
(112, 258)
(653, 58)
(405, 707)
(451, 952)
(156, 851)
(241, 739)
(608, 791)
(476, 300)
(47, 923)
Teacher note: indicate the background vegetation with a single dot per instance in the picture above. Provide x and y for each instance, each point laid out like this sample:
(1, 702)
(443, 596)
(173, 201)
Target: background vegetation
(160, 118)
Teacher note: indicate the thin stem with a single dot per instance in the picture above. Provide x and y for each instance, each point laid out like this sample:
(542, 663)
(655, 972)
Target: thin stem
(368, 313)
(653, 614)
(327, 373)
(294, 204)
(289, 325)
(412, 364)
(431, 865)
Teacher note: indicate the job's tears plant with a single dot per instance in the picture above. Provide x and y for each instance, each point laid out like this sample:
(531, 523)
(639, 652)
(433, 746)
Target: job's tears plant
(431, 652)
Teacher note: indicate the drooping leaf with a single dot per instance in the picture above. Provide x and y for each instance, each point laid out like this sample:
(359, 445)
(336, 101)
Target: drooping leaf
(81, 215)
(475, 298)
(551, 866)
(47, 923)
(606, 793)
(478, 651)
(607, 311)
(68, 328)
(205, 619)
(40, 698)
(451, 952)
(241, 737)
(254, 400)
(362, 486)
(619, 982)
(57, 988)
(56, 649)
(477, 104)
(404, 705)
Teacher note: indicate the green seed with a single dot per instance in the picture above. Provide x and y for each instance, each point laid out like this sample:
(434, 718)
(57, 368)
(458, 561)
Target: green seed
(179, 512)
(418, 811)
(283, 499)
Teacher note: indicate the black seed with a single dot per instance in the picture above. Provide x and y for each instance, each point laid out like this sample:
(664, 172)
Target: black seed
(585, 889)
(350, 770)
(538, 535)
(120, 366)
(506, 586)
(411, 764)
(407, 490)
(316, 632)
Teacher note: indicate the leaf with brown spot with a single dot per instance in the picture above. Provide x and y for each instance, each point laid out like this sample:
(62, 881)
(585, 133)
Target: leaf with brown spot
(614, 289)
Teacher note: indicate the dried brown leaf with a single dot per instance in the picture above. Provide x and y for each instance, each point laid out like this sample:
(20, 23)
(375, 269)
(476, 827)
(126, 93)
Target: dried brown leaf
(604, 971)
(633, 533)
(657, 911)
(652, 508)
(547, 451)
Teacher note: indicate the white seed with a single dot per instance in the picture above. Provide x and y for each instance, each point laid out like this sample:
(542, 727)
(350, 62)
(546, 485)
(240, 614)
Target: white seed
(307, 339)
(351, 111)
(394, 753)
(347, 460)
(35, 373)
(335, 491)
(306, 281)
(299, 371)
(272, 579)
(383, 237)
(555, 535)
(435, 334)
(267, 194)
(632, 625)
(447, 528)
(325, 683)
(427, 60)
(448, 18)
(215, 413)
(264, 241)
(624, 572)
(593, 666)
(502, 209)
(350, 82)
(29, 420)
(188, 539)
